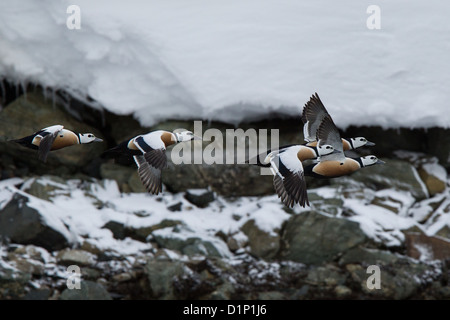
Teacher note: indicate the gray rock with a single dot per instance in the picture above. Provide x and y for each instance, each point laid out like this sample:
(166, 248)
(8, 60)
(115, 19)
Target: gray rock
(399, 281)
(423, 247)
(342, 291)
(23, 224)
(313, 238)
(89, 291)
(368, 257)
(444, 232)
(142, 233)
(38, 294)
(118, 229)
(190, 245)
(76, 257)
(262, 244)
(396, 174)
(200, 198)
(325, 276)
(161, 274)
(44, 187)
(434, 184)
(26, 265)
(12, 281)
(126, 176)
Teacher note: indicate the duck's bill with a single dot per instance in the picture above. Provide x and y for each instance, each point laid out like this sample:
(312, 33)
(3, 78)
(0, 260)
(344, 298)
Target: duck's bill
(369, 144)
(197, 138)
(336, 151)
(380, 161)
(98, 140)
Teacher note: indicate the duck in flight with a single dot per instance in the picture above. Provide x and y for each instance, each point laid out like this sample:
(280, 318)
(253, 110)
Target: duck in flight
(54, 138)
(149, 153)
(313, 113)
(290, 183)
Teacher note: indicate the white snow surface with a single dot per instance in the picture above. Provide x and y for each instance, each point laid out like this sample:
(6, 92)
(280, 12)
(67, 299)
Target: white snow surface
(233, 60)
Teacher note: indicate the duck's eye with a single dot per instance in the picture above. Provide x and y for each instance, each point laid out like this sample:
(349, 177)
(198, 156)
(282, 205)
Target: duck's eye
(373, 158)
(362, 139)
(328, 147)
(90, 135)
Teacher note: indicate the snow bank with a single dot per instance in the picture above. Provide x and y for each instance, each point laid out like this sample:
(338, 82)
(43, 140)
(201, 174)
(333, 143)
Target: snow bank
(233, 60)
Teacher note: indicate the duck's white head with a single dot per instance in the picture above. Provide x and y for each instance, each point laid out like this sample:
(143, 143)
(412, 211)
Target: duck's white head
(325, 149)
(185, 135)
(359, 142)
(88, 138)
(370, 161)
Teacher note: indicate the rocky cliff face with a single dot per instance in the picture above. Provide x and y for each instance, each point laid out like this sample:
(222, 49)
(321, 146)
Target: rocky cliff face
(218, 231)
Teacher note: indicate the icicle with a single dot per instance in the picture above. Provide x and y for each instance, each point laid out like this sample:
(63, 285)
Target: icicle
(23, 85)
(17, 90)
(53, 98)
(103, 118)
(3, 91)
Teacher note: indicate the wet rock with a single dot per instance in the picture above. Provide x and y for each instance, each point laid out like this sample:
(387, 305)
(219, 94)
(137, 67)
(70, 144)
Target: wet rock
(342, 291)
(33, 252)
(189, 245)
(46, 186)
(76, 257)
(313, 238)
(422, 247)
(444, 232)
(27, 266)
(434, 176)
(25, 225)
(226, 180)
(161, 274)
(325, 276)
(399, 281)
(118, 229)
(368, 256)
(236, 241)
(12, 281)
(263, 244)
(126, 176)
(175, 207)
(142, 233)
(38, 294)
(330, 204)
(200, 197)
(424, 211)
(89, 291)
(397, 174)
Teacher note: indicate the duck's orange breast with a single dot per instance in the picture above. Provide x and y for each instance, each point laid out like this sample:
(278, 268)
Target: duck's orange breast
(306, 153)
(335, 169)
(65, 139)
(168, 138)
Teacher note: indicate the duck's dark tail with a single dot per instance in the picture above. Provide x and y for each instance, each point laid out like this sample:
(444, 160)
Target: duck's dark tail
(26, 142)
(121, 153)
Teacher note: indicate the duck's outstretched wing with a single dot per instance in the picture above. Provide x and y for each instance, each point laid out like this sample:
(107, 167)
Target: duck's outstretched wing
(150, 166)
(328, 134)
(289, 179)
(48, 136)
(313, 113)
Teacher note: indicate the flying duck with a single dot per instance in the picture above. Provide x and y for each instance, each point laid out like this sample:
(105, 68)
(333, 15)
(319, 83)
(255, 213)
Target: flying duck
(149, 153)
(54, 138)
(313, 113)
(290, 182)
(287, 169)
